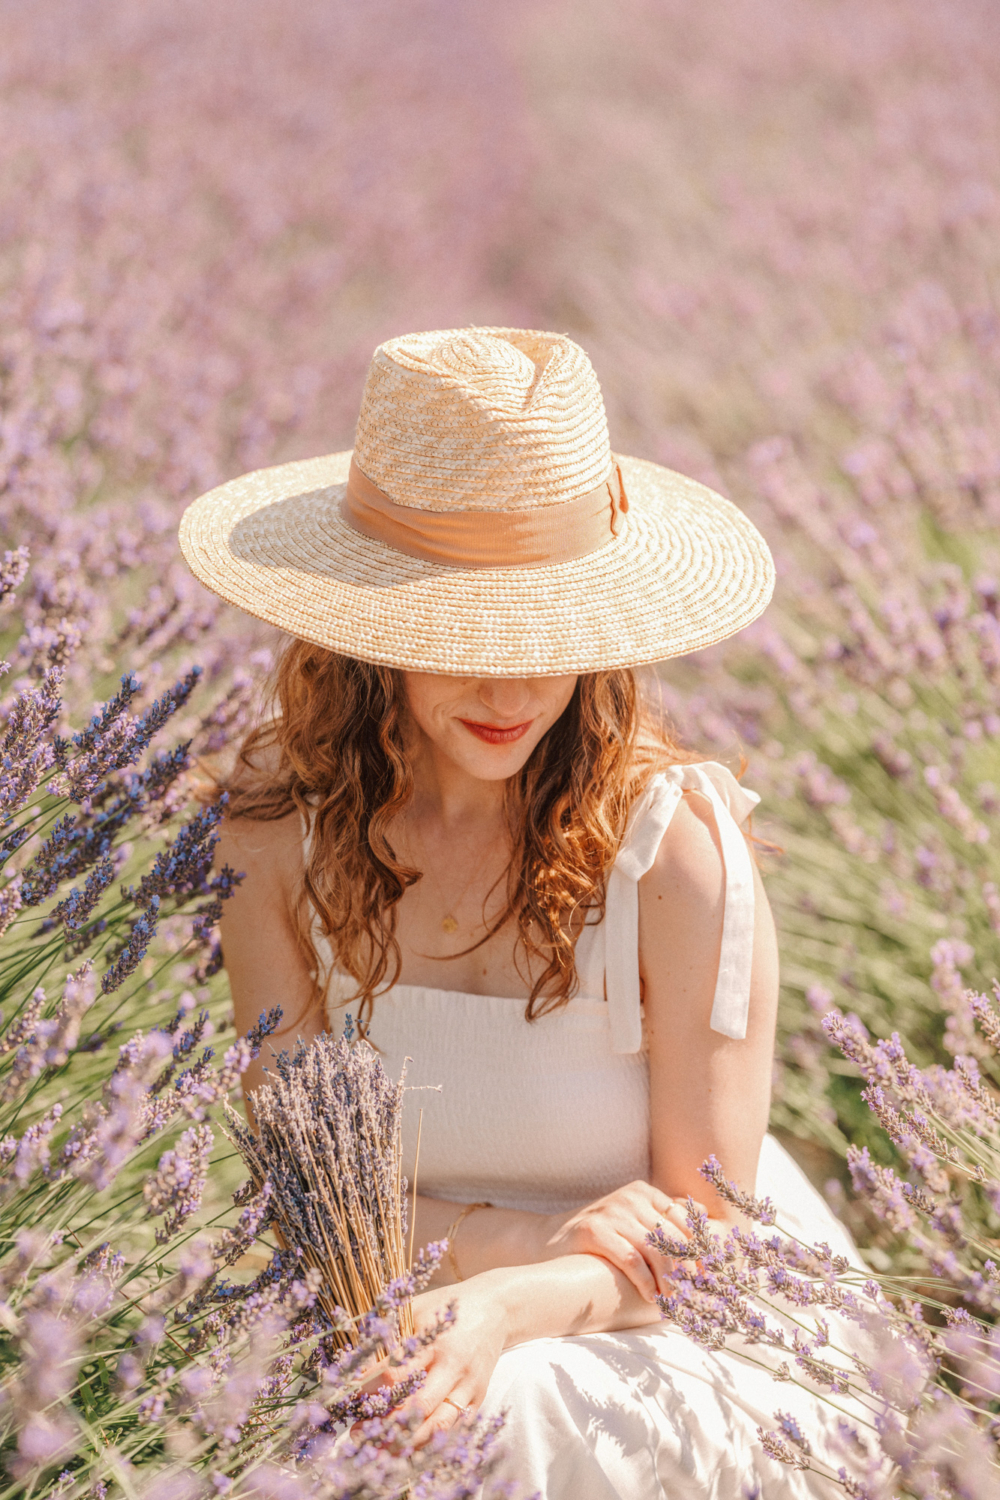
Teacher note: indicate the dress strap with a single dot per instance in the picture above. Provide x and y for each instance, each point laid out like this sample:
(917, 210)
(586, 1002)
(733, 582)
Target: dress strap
(732, 803)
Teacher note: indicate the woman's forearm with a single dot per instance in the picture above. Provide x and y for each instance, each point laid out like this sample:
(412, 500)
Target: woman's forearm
(486, 1239)
(572, 1294)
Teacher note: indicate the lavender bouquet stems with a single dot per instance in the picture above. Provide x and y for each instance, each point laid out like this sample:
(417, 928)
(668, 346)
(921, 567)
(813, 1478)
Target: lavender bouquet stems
(329, 1142)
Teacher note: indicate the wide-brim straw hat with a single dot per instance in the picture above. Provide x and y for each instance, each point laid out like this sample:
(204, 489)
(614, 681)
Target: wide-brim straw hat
(482, 525)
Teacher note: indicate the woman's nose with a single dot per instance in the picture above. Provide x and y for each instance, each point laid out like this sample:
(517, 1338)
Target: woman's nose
(505, 696)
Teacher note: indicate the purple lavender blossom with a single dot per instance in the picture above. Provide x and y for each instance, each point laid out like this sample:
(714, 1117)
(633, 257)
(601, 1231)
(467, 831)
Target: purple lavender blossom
(761, 1209)
(110, 1128)
(256, 1215)
(32, 1151)
(22, 1028)
(115, 708)
(175, 1188)
(265, 1025)
(13, 571)
(184, 866)
(134, 950)
(71, 848)
(183, 1046)
(75, 910)
(26, 753)
(44, 1043)
(114, 739)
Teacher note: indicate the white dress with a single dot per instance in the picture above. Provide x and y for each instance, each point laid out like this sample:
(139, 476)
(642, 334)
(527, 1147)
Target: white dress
(551, 1114)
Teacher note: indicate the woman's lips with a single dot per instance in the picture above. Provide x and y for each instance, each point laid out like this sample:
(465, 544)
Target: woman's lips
(493, 735)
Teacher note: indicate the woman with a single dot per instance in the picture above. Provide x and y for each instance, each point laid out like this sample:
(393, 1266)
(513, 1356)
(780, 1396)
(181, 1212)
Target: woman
(462, 827)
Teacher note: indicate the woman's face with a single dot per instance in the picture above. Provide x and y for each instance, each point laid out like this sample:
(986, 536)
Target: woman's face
(487, 725)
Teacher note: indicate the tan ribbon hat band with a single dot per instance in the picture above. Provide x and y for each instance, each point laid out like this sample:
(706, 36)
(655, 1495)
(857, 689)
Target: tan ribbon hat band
(528, 538)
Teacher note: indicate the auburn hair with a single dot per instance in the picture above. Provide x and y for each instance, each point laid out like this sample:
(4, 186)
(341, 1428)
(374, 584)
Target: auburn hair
(332, 748)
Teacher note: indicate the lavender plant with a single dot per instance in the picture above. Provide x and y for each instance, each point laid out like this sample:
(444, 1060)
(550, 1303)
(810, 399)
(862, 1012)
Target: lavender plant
(127, 1357)
(871, 698)
(910, 1364)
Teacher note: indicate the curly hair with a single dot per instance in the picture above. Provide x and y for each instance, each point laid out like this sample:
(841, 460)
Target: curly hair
(333, 749)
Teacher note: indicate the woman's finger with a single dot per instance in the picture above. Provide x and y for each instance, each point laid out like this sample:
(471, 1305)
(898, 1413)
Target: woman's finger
(661, 1203)
(443, 1374)
(676, 1217)
(421, 1412)
(633, 1263)
(449, 1409)
(661, 1266)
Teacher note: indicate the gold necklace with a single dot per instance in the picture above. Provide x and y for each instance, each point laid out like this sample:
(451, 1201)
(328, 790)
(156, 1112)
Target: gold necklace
(449, 922)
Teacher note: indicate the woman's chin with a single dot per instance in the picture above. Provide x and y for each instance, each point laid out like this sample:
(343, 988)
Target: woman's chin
(491, 762)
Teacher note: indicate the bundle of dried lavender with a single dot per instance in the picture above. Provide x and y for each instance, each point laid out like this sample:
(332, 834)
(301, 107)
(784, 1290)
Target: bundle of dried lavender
(329, 1143)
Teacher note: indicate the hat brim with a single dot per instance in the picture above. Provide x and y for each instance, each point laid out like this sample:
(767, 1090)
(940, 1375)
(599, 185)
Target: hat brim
(687, 570)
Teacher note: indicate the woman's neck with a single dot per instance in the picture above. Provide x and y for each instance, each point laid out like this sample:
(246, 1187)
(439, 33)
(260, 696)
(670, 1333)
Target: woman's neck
(448, 796)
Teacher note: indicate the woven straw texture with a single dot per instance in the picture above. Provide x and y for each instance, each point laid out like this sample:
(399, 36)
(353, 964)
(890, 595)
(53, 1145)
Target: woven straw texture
(482, 419)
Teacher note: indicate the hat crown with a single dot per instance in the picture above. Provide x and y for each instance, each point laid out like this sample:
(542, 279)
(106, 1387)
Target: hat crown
(482, 419)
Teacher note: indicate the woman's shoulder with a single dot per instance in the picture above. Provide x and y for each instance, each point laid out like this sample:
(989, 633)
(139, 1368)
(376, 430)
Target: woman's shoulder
(264, 830)
(261, 849)
(676, 825)
(666, 785)
(713, 780)
(688, 867)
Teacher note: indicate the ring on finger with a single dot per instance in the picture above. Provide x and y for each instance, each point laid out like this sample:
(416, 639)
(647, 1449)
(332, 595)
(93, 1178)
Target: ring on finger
(463, 1409)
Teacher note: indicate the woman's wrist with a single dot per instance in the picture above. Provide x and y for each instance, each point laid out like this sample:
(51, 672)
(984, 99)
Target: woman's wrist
(571, 1294)
(507, 1292)
(499, 1237)
(453, 1228)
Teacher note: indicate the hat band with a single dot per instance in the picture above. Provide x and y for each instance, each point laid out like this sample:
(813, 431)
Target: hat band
(526, 538)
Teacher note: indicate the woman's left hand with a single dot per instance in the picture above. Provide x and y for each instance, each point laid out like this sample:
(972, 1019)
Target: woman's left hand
(617, 1227)
(461, 1360)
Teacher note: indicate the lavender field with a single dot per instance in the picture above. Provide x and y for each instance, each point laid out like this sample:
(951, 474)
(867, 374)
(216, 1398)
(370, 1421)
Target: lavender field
(775, 227)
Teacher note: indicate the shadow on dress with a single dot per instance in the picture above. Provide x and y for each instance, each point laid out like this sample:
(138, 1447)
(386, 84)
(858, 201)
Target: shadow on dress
(605, 1417)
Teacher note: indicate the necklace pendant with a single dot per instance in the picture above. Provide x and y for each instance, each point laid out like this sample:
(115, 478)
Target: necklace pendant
(448, 923)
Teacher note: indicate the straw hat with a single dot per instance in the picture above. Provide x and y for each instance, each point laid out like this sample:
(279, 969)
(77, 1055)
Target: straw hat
(482, 525)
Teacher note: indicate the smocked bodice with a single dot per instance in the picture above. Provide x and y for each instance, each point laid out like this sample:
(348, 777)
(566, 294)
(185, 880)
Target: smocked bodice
(552, 1113)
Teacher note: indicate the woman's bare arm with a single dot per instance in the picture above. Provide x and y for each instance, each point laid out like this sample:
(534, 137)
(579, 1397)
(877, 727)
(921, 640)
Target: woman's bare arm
(496, 1310)
(265, 964)
(709, 1095)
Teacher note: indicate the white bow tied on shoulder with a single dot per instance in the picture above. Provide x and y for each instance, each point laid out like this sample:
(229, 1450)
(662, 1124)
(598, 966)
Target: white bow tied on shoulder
(732, 804)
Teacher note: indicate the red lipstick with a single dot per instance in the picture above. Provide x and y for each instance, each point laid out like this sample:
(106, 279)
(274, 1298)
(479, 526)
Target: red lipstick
(493, 734)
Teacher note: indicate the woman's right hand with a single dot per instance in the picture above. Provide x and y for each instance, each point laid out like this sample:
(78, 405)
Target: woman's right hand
(615, 1227)
(461, 1360)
